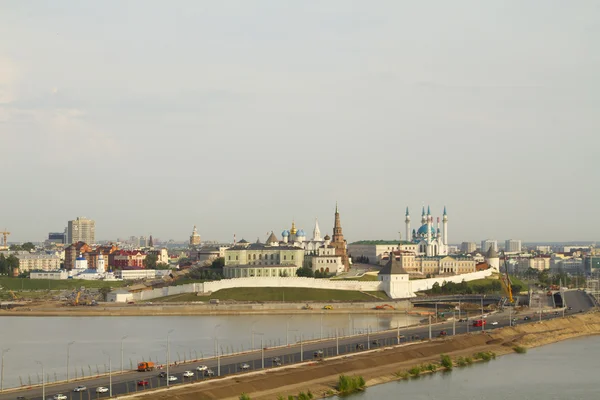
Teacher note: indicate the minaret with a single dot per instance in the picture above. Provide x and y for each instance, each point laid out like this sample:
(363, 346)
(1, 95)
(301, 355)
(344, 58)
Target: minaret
(423, 218)
(316, 232)
(445, 220)
(429, 223)
(338, 241)
(438, 228)
(407, 222)
(100, 266)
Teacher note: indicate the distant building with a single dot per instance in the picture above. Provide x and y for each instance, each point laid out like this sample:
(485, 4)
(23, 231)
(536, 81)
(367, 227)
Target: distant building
(127, 258)
(73, 251)
(55, 275)
(143, 241)
(41, 262)
(543, 249)
(57, 238)
(591, 264)
(195, 238)
(81, 230)
(374, 250)
(258, 271)
(438, 265)
(512, 246)
(485, 245)
(468, 247)
(244, 253)
(162, 255)
(571, 249)
(540, 263)
(326, 260)
(430, 241)
(135, 274)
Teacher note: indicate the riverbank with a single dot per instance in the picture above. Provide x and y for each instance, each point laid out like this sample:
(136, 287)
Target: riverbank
(383, 365)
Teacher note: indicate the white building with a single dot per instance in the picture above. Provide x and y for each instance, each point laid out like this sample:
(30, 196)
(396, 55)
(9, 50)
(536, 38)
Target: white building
(135, 274)
(119, 296)
(485, 245)
(55, 275)
(468, 247)
(512, 246)
(326, 260)
(544, 249)
(431, 241)
(43, 262)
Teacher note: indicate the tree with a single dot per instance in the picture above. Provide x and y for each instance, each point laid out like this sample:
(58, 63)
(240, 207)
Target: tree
(306, 272)
(150, 261)
(218, 262)
(28, 246)
(162, 266)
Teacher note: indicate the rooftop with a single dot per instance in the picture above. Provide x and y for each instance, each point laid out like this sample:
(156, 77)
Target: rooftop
(382, 242)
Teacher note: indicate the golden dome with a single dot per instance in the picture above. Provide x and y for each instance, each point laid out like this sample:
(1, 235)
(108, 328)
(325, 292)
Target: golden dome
(293, 230)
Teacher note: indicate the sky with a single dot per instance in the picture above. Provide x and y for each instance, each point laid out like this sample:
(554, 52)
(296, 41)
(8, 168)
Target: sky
(151, 117)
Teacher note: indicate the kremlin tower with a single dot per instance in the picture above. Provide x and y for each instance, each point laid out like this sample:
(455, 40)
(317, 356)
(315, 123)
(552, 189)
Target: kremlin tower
(338, 241)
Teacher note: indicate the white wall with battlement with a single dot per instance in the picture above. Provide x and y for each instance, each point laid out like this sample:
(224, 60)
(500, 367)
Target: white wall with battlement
(394, 288)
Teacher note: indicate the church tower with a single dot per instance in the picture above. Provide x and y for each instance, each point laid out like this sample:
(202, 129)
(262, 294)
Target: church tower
(338, 241)
(407, 222)
(316, 232)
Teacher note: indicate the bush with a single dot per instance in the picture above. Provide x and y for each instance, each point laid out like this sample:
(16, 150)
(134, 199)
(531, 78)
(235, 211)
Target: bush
(402, 374)
(461, 362)
(520, 349)
(350, 384)
(483, 355)
(469, 360)
(415, 371)
(431, 367)
(446, 362)
(244, 396)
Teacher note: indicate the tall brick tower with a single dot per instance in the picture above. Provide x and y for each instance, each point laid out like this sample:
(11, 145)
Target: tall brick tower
(338, 241)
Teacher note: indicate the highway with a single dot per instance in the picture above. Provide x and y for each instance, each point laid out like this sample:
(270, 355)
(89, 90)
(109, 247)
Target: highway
(226, 365)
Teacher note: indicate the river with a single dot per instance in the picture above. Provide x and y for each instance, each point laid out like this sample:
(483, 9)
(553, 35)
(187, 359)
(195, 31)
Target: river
(94, 339)
(561, 371)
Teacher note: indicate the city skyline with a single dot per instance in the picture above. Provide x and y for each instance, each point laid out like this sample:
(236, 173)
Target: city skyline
(240, 119)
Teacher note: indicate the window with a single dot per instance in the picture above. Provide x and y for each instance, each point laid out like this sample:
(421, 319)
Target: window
(236, 257)
(229, 258)
(292, 257)
(285, 257)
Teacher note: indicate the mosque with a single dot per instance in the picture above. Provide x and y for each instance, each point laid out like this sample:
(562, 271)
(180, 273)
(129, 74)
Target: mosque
(430, 241)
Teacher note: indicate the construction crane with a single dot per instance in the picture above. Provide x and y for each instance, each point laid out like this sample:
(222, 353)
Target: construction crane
(506, 283)
(14, 296)
(5, 236)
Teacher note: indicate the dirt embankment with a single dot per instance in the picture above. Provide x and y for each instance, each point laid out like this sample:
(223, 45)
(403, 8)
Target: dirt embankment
(380, 366)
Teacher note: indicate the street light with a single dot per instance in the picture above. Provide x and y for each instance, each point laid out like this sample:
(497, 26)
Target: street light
(4, 351)
(123, 338)
(262, 348)
(168, 355)
(43, 380)
(253, 333)
(68, 346)
(287, 329)
(217, 350)
(109, 372)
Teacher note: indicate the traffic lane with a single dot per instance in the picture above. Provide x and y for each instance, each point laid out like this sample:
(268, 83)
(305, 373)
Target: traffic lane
(231, 363)
(578, 300)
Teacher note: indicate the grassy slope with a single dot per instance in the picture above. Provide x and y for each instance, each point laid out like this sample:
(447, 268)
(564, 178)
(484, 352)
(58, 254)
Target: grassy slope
(279, 294)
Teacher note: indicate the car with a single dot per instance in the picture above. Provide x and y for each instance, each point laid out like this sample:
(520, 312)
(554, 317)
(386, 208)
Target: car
(555, 312)
(462, 320)
(484, 316)
(201, 368)
(375, 343)
(581, 310)
(360, 346)
(443, 333)
(162, 375)
(80, 388)
(495, 323)
(276, 361)
(101, 389)
(143, 383)
(244, 366)
(318, 354)
(60, 396)
(21, 398)
(188, 374)
(569, 308)
(172, 378)
(328, 307)
(527, 318)
(209, 372)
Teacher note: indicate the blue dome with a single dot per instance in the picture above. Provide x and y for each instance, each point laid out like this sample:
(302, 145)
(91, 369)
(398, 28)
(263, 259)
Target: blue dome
(300, 233)
(423, 230)
(80, 259)
(285, 233)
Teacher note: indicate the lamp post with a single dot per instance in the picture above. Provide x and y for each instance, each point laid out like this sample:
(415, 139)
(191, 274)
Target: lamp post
(109, 373)
(43, 380)
(68, 346)
(262, 349)
(217, 350)
(321, 326)
(252, 333)
(168, 355)
(123, 338)
(287, 329)
(4, 351)
(482, 320)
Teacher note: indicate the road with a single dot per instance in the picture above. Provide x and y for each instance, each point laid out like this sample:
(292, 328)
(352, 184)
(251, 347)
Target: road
(127, 383)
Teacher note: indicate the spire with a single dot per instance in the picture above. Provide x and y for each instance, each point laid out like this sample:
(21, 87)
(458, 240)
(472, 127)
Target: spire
(423, 213)
(445, 210)
(406, 211)
(316, 231)
(336, 208)
(428, 211)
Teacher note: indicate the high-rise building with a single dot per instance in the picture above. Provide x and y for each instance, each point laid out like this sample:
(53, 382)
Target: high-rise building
(143, 241)
(81, 230)
(195, 238)
(468, 247)
(56, 237)
(338, 241)
(485, 245)
(512, 246)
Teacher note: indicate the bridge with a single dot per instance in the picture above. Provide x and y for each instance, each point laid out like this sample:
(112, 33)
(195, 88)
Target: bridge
(463, 298)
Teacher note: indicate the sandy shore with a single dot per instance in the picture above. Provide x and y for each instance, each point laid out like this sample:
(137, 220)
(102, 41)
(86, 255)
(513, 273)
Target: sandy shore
(380, 366)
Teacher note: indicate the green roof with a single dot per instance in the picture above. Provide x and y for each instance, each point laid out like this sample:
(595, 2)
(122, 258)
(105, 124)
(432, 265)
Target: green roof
(382, 242)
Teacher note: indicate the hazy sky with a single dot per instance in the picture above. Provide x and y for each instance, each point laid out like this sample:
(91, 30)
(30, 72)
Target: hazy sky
(237, 116)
